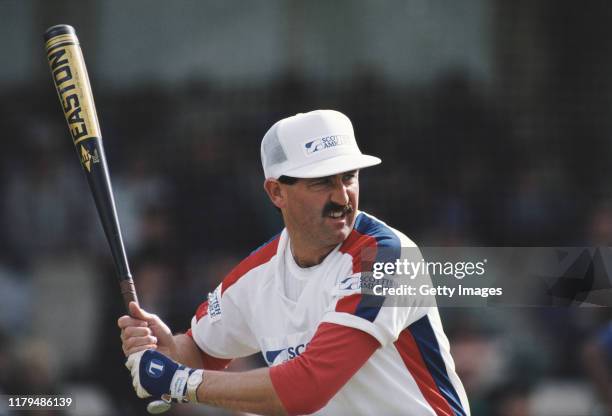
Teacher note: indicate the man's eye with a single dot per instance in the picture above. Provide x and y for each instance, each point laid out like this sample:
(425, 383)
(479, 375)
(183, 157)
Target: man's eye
(349, 176)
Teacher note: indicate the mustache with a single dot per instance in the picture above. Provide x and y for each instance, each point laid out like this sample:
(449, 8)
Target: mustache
(331, 208)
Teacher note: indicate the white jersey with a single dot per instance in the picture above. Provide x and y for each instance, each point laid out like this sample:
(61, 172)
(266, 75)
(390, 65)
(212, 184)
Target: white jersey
(411, 373)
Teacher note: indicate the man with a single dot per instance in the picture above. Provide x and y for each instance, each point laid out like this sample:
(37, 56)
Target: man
(330, 349)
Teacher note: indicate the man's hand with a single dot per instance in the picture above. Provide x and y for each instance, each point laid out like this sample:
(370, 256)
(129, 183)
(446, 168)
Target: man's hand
(142, 331)
(154, 374)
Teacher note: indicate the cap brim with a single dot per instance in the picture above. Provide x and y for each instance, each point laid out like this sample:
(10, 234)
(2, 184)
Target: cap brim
(333, 166)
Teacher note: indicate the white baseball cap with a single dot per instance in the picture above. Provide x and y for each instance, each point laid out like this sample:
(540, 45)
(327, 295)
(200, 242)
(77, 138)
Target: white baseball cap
(312, 145)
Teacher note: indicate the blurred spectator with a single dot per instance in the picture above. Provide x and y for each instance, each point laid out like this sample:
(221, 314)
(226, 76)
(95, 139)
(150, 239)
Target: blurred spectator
(15, 304)
(599, 225)
(511, 399)
(136, 192)
(597, 361)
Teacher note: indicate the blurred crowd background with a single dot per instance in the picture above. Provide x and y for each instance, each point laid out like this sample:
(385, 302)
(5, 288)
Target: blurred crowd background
(493, 120)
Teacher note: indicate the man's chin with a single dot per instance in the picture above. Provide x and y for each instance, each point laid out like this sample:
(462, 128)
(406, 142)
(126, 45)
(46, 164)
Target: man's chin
(341, 234)
(339, 229)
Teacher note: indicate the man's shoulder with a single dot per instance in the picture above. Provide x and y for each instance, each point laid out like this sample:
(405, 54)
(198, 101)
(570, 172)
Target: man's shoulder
(258, 257)
(370, 229)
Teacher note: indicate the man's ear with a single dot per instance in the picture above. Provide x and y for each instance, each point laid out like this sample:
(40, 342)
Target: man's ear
(275, 192)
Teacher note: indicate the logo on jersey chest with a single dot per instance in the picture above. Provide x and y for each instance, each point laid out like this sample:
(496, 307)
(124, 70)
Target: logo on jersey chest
(277, 350)
(350, 283)
(276, 357)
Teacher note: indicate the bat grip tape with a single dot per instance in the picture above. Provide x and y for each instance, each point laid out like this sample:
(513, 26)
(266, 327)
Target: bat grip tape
(128, 291)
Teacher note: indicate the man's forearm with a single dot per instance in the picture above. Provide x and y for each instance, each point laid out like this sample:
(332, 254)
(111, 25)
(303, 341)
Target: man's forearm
(250, 391)
(185, 351)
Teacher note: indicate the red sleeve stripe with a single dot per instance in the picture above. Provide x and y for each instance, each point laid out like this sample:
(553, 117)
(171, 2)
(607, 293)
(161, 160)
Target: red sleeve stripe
(202, 311)
(411, 355)
(257, 258)
(349, 303)
(369, 241)
(354, 246)
(306, 383)
(355, 304)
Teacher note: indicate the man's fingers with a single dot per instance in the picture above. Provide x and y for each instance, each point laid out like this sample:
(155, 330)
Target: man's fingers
(139, 341)
(139, 313)
(127, 321)
(138, 344)
(140, 330)
(137, 317)
(131, 351)
(133, 345)
(134, 331)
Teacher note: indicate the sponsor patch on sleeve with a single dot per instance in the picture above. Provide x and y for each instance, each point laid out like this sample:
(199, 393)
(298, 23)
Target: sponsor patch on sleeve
(214, 304)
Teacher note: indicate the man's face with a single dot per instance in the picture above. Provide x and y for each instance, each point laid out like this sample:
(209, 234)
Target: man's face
(322, 211)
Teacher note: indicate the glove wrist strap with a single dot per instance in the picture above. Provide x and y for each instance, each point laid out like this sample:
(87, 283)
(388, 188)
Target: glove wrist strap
(179, 383)
(194, 381)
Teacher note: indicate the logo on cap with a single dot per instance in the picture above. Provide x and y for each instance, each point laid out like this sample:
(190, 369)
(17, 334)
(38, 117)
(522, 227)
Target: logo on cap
(323, 143)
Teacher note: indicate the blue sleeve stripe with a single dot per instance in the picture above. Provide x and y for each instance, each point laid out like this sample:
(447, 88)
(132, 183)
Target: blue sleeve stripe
(369, 306)
(388, 244)
(424, 336)
(388, 250)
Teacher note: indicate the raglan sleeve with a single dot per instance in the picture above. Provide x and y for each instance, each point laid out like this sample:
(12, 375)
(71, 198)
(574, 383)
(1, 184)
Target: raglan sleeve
(221, 327)
(358, 303)
(218, 327)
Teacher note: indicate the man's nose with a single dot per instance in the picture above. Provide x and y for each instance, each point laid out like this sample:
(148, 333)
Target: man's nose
(340, 194)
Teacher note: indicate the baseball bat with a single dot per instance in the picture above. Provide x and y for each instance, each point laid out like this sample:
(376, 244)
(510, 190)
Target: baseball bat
(70, 78)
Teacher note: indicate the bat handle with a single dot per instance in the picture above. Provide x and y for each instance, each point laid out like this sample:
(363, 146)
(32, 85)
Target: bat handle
(128, 291)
